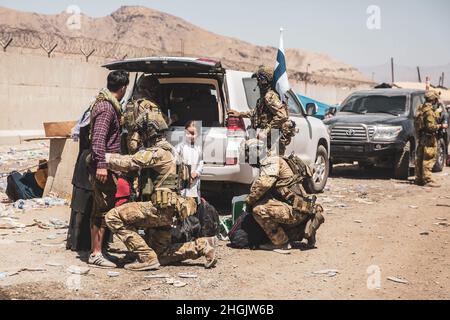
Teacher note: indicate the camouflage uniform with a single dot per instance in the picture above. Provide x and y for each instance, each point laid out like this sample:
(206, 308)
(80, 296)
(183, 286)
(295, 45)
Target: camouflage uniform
(279, 202)
(144, 99)
(133, 109)
(157, 215)
(270, 112)
(426, 131)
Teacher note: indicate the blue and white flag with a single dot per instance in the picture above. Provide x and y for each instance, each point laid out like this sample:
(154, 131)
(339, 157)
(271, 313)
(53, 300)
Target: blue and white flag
(280, 76)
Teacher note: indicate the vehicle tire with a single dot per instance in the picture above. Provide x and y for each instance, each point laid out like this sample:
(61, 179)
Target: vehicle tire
(401, 165)
(441, 157)
(321, 172)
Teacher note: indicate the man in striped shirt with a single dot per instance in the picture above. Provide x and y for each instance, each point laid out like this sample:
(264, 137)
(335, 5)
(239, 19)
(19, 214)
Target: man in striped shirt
(106, 119)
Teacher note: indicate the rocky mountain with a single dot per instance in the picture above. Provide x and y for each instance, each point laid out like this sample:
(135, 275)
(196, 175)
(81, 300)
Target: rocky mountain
(139, 31)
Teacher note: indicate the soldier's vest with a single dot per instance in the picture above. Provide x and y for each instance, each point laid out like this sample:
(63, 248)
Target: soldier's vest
(150, 180)
(290, 189)
(420, 118)
(261, 117)
(134, 109)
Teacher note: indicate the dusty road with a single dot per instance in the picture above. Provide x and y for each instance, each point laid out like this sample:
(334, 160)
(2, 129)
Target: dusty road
(375, 228)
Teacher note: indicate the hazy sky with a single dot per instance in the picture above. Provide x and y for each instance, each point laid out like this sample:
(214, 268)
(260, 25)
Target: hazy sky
(414, 32)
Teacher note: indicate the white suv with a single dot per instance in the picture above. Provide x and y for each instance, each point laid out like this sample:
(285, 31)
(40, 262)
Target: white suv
(201, 90)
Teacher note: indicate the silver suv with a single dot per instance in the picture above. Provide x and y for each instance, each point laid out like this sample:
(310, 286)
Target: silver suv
(202, 90)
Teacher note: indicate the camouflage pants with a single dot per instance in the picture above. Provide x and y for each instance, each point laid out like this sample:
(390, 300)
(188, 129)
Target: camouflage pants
(425, 161)
(125, 220)
(272, 215)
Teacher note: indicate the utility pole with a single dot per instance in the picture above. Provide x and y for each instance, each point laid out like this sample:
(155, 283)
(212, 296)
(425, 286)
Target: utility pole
(392, 70)
(418, 74)
(182, 47)
(306, 78)
(443, 78)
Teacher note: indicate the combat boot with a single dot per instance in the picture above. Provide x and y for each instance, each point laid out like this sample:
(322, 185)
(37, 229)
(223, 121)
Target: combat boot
(432, 185)
(143, 263)
(419, 182)
(311, 228)
(210, 252)
(272, 247)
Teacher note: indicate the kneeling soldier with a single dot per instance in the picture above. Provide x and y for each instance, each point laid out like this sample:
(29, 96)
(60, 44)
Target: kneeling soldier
(156, 216)
(278, 200)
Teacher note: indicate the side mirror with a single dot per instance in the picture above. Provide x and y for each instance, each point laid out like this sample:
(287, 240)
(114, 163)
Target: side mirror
(332, 111)
(311, 109)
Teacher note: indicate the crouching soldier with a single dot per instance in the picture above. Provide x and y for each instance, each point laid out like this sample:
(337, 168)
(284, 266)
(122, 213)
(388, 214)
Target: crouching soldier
(156, 216)
(278, 201)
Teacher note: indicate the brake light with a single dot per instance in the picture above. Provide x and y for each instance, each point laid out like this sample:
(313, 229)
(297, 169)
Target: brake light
(231, 161)
(235, 124)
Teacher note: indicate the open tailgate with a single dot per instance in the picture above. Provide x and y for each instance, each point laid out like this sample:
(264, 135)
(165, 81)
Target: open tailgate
(168, 65)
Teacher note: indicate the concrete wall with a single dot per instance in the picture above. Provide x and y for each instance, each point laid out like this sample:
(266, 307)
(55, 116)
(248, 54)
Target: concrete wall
(36, 89)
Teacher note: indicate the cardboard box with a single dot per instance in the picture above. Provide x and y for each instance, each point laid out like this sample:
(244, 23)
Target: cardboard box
(59, 129)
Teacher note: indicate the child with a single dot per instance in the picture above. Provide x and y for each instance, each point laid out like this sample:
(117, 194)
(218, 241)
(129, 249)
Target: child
(191, 155)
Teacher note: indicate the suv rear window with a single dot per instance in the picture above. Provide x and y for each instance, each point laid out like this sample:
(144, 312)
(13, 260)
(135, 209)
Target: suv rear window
(375, 104)
(191, 101)
(251, 91)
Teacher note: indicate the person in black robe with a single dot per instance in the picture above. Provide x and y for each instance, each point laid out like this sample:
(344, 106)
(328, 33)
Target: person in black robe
(79, 233)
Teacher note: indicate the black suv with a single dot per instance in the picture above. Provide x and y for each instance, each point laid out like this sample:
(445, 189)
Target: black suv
(376, 127)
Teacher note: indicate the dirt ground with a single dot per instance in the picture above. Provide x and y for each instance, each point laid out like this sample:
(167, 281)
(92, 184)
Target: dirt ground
(375, 228)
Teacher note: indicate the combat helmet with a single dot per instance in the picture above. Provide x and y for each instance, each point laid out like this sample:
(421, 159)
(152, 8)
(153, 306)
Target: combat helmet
(150, 125)
(147, 87)
(431, 95)
(264, 75)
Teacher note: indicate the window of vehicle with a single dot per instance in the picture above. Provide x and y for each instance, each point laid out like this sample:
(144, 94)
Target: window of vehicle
(252, 92)
(417, 100)
(394, 105)
(191, 101)
(293, 107)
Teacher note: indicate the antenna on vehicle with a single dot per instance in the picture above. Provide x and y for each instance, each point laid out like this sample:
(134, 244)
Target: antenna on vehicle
(392, 70)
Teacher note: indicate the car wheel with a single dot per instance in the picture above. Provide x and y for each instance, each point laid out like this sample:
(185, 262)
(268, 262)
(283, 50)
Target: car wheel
(441, 157)
(321, 171)
(401, 169)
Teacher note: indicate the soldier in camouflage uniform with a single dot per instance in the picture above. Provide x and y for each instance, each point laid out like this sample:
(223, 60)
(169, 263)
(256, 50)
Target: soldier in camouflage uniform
(442, 118)
(270, 112)
(426, 132)
(156, 216)
(278, 201)
(144, 99)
